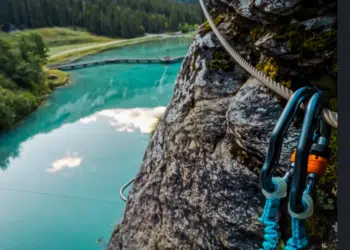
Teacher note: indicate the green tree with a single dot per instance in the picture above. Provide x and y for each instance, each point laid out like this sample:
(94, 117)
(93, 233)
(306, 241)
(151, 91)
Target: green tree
(40, 48)
(22, 82)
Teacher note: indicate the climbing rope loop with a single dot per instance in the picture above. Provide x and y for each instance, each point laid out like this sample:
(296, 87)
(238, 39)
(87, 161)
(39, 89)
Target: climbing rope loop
(269, 216)
(269, 219)
(329, 116)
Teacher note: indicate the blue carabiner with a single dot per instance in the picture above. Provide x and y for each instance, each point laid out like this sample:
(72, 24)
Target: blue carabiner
(311, 124)
(302, 95)
(313, 141)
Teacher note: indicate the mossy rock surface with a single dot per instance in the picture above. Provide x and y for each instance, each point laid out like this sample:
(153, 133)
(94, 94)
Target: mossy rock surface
(269, 67)
(206, 26)
(221, 61)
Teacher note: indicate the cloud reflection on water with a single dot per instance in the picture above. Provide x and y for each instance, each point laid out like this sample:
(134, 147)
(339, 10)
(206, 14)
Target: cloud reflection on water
(129, 120)
(66, 162)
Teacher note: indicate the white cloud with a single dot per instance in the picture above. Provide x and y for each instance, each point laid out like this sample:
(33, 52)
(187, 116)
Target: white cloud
(66, 162)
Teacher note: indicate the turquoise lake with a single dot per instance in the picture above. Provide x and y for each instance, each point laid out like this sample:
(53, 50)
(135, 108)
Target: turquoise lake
(63, 166)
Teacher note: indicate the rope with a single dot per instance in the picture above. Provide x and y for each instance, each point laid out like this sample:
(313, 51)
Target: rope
(329, 116)
(271, 238)
(298, 240)
(269, 219)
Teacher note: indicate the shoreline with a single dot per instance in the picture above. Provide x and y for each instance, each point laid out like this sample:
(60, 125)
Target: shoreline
(61, 83)
(63, 79)
(70, 56)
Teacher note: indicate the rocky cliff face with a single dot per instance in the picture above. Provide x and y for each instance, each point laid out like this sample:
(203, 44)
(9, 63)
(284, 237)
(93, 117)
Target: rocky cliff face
(198, 185)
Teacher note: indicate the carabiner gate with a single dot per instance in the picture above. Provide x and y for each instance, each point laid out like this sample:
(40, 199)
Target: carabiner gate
(311, 155)
(302, 95)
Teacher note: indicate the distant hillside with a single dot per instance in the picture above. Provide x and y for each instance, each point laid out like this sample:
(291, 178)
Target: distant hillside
(122, 18)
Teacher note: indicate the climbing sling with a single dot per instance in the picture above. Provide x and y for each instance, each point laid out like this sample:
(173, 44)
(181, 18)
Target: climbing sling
(308, 163)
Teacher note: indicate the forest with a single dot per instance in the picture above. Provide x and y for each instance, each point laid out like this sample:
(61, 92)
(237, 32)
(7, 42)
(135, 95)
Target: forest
(113, 18)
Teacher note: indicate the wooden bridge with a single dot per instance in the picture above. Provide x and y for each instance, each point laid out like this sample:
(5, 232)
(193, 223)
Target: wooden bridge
(164, 60)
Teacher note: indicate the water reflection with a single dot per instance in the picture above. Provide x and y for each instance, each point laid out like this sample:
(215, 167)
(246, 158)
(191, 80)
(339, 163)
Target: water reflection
(69, 161)
(129, 120)
(93, 90)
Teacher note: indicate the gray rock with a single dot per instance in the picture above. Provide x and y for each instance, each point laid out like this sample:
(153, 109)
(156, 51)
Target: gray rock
(282, 7)
(264, 11)
(198, 184)
(269, 45)
(252, 115)
(320, 23)
(316, 60)
(191, 191)
(245, 8)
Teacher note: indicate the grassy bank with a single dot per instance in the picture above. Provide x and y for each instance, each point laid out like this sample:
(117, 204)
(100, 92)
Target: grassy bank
(60, 49)
(55, 37)
(56, 78)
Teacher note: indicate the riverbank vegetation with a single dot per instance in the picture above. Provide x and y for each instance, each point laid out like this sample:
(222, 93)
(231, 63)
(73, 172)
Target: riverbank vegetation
(122, 18)
(56, 78)
(24, 83)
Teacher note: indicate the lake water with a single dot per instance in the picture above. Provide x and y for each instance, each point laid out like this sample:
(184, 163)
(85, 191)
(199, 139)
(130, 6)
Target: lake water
(62, 168)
